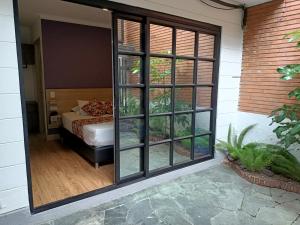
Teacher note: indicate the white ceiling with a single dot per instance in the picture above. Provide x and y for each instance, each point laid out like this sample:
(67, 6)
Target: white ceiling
(31, 10)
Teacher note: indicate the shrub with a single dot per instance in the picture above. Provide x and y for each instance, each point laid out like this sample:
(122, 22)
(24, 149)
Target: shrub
(234, 143)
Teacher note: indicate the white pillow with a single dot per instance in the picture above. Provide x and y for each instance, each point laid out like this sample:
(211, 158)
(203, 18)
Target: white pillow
(75, 109)
(82, 103)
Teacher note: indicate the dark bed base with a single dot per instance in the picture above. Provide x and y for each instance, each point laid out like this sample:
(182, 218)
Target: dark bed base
(96, 155)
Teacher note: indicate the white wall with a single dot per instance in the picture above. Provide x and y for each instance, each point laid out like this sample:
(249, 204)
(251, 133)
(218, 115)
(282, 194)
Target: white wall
(13, 186)
(13, 190)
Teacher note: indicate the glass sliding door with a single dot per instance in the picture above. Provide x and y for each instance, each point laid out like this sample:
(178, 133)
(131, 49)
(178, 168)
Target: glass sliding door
(129, 92)
(165, 91)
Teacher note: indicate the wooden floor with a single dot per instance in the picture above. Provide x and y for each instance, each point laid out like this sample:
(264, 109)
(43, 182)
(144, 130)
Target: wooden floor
(57, 172)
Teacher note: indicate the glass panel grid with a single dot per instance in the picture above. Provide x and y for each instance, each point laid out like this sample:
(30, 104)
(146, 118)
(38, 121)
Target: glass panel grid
(130, 162)
(184, 71)
(159, 156)
(129, 35)
(160, 70)
(202, 146)
(185, 42)
(160, 39)
(182, 150)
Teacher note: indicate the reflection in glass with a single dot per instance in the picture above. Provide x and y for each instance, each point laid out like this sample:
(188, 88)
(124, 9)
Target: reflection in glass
(160, 70)
(183, 99)
(160, 100)
(131, 132)
(202, 122)
(201, 146)
(159, 128)
(183, 125)
(130, 101)
(206, 46)
(184, 71)
(203, 97)
(130, 162)
(129, 35)
(205, 72)
(182, 150)
(160, 39)
(159, 156)
(185, 42)
(129, 69)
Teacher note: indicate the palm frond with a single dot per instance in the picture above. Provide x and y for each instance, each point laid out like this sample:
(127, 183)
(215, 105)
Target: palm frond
(243, 134)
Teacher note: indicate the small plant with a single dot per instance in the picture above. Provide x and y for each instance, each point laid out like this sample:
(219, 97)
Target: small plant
(234, 143)
(254, 159)
(284, 163)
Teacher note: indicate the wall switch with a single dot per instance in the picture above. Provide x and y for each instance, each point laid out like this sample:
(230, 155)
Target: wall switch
(52, 94)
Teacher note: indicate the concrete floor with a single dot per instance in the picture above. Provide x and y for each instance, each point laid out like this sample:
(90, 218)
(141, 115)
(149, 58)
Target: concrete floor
(216, 196)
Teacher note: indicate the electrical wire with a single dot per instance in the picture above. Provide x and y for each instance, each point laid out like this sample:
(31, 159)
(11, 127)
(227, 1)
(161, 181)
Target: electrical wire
(203, 1)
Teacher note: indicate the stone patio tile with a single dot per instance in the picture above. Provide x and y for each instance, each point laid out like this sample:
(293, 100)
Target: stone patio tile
(86, 217)
(253, 201)
(286, 197)
(235, 218)
(139, 212)
(276, 216)
(216, 196)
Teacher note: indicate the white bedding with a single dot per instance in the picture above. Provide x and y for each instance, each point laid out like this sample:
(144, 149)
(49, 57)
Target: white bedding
(100, 134)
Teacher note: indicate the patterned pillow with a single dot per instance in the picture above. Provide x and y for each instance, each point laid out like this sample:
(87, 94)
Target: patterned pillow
(94, 108)
(108, 107)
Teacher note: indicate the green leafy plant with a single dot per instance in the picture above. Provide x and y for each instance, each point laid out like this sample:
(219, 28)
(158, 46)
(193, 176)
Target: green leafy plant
(254, 159)
(288, 116)
(234, 142)
(284, 163)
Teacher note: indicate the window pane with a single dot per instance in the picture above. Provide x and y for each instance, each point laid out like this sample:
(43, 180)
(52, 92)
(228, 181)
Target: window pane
(183, 125)
(203, 97)
(129, 70)
(160, 100)
(201, 146)
(159, 128)
(185, 42)
(182, 150)
(129, 35)
(159, 156)
(205, 72)
(184, 71)
(130, 101)
(131, 132)
(183, 99)
(202, 122)
(206, 46)
(130, 162)
(160, 70)
(160, 39)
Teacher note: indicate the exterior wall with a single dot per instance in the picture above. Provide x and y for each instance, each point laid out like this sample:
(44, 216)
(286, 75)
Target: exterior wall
(13, 186)
(261, 90)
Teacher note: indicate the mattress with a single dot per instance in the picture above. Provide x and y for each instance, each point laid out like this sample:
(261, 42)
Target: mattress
(100, 134)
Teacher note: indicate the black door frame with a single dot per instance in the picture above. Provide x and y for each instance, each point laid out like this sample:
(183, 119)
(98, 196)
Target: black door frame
(129, 10)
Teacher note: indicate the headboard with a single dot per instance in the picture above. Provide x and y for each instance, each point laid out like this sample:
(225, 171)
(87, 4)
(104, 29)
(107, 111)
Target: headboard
(66, 99)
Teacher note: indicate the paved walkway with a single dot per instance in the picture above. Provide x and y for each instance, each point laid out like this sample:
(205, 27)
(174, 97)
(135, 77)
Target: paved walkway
(216, 196)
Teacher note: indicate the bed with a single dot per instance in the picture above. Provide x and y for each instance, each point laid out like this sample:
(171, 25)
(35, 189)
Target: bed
(91, 137)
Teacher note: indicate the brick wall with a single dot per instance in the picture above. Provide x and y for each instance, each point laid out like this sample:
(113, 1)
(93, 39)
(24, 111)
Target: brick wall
(261, 90)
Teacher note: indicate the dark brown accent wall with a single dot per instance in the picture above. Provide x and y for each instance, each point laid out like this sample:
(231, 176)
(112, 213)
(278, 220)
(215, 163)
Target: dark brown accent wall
(76, 56)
